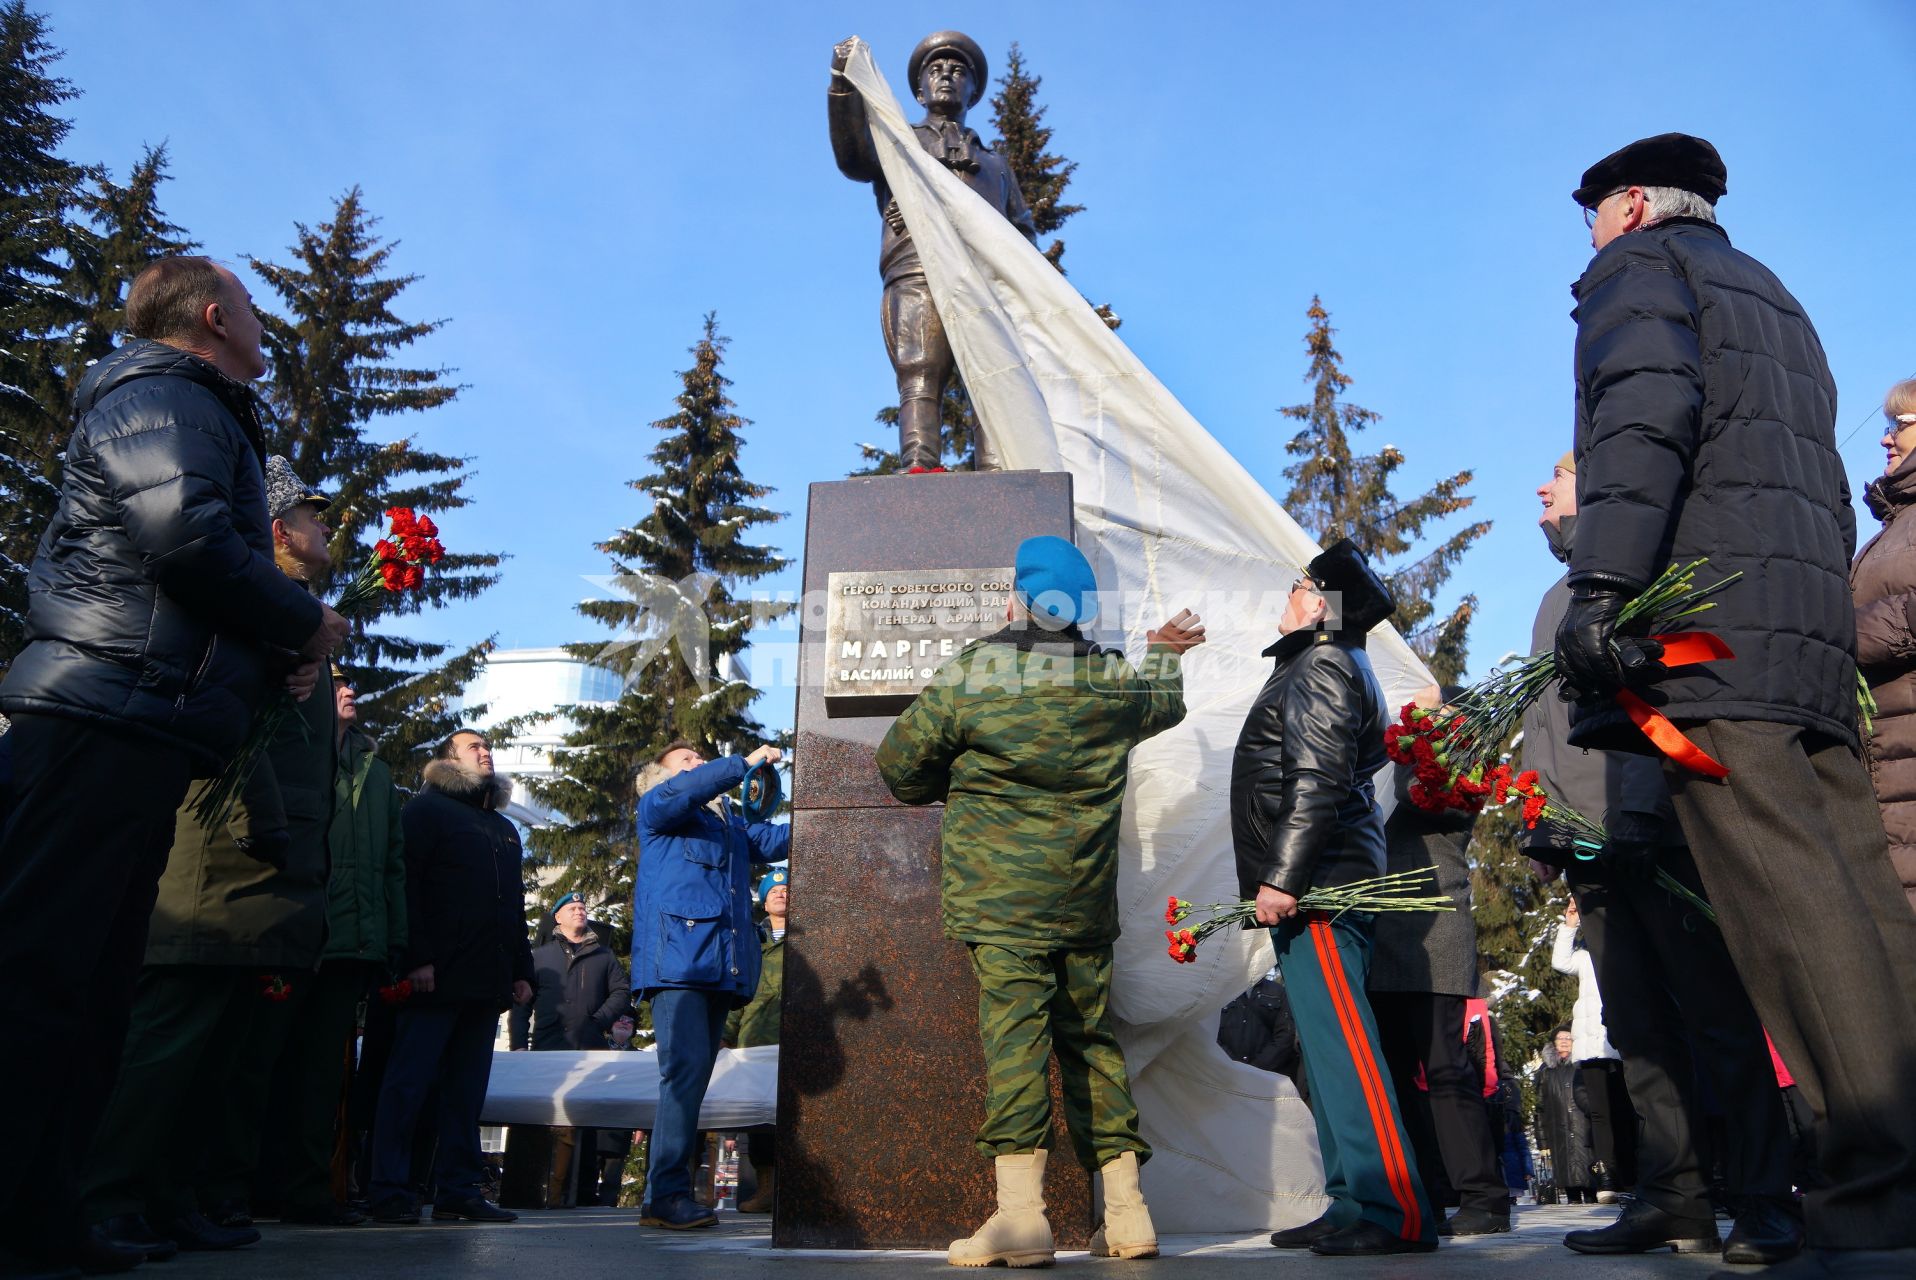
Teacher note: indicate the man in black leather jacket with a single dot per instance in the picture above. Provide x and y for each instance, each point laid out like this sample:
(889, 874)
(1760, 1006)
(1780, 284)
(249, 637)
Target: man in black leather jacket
(156, 623)
(1303, 815)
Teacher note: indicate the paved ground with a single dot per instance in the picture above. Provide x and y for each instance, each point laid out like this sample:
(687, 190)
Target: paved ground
(583, 1244)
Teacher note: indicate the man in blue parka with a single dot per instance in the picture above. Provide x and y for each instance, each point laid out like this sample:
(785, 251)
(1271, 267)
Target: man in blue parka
(695, 953)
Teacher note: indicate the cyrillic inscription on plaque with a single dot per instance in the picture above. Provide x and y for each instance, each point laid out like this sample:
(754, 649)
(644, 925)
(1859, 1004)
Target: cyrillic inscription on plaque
(888, 631)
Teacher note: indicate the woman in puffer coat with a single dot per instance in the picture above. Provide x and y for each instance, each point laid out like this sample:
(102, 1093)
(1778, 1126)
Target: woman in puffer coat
(1883, 580)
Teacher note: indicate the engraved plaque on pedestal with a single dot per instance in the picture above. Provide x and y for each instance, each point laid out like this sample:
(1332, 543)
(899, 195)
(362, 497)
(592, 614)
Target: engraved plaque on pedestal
(888, 631)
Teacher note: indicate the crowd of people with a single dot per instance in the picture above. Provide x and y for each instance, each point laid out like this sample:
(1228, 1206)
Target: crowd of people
(226, 962)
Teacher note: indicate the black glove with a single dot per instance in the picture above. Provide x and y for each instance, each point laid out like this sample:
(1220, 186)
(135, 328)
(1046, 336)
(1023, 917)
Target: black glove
(1586, 656)
(270, 847)
(1593, 658)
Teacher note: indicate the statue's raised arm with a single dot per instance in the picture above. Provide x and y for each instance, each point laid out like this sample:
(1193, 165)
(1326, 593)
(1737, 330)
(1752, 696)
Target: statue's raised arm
(948, 74)
(851, 135)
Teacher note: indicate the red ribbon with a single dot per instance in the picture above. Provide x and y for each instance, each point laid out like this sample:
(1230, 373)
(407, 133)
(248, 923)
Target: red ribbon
(1680, 649)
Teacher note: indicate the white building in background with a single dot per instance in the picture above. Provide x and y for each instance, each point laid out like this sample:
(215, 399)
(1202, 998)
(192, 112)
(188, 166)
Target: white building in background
(522, 682)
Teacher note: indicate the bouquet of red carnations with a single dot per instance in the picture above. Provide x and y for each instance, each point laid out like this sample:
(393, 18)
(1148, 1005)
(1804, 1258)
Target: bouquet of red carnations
(1396, 892)
(396, 564)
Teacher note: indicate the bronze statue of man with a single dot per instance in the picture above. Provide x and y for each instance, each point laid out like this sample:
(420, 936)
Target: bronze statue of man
(947, 75)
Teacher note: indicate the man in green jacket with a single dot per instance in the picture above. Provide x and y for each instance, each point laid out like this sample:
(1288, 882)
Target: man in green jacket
(1026, 737)
(235, 936)
(365, 929)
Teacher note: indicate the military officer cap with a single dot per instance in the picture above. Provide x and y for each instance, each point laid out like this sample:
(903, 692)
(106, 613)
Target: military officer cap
(1667, 160)
(285, 490)
(1361, 598)
(951, 42)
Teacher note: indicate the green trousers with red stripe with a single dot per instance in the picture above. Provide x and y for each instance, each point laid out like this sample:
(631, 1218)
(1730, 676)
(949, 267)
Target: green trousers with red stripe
(1369, 1169)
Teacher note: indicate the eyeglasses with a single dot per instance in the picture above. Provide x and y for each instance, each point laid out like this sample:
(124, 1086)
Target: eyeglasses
(1303, 584)
(1590, 211)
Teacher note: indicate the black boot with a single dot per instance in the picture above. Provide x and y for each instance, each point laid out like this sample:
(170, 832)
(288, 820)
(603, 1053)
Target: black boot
(1478, 1222)
(1765, 1232)
(1365, 1239)
(131, 1231)
(1305, 1236)
(192, 1232)
(1642, 1227)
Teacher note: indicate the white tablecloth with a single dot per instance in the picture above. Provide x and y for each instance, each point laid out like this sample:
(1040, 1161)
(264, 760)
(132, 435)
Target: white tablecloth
(605, 1089)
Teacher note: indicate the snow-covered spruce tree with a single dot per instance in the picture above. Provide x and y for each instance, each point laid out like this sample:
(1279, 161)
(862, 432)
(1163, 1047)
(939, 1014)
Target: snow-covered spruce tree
(1338, 493)
(679, 627)
(1042, 177)
(333, 373)
(38, 189)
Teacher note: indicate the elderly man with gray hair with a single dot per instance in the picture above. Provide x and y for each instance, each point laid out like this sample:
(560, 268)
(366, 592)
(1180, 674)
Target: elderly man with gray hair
(1706, 431)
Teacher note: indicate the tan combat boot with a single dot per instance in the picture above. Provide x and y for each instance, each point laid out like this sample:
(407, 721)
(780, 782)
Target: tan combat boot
(1126, 1231)
(1017, 1234)
(761, 1200)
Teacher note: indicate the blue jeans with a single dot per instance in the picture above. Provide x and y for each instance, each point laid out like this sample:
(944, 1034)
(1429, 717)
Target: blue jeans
(687, 1025)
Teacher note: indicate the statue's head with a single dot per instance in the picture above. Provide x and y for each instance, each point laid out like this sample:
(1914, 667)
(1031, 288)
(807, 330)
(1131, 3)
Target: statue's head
(948, 73)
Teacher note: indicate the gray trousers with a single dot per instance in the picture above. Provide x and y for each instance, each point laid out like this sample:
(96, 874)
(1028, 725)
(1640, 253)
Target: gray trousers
(1792, 852)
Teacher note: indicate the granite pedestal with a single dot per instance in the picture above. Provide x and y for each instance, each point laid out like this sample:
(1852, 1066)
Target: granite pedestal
(881, 1075)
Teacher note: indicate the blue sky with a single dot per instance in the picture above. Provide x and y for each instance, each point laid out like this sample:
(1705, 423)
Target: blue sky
(577, 184)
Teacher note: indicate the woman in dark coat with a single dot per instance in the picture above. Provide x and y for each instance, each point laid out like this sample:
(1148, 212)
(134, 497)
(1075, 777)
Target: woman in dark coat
(1883, 580)
(1562, 1127)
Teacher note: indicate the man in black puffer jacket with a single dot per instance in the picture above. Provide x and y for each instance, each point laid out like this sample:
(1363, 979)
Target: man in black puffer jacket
(1303, 815)
(156, 623)
(1706, 428)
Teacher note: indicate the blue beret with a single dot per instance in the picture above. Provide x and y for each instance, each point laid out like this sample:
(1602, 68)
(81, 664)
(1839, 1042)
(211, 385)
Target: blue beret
(559, 906)
(773, 879)
(1055, 581)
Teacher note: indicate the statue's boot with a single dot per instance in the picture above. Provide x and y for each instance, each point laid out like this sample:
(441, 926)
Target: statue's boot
(1017, 1235)
(920, 436)
(1126, 1231)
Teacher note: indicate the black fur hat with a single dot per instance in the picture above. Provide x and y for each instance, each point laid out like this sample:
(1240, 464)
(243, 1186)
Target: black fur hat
(1667, 160)
(1359, 599)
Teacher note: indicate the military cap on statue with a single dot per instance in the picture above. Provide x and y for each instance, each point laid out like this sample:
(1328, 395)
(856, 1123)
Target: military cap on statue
(1667, 160)
(951, 42)
(1358, 597)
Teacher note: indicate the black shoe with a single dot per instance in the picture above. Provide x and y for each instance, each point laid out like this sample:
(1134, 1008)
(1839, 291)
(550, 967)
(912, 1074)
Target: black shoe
(479, 1210)
(324, 1215)
(679, 1213)
(231, 1213)
(1476, 1222)
(1642, 1227)
(131, 1231)
(393, 1213)
(1443, 1229)
(1765, 1232)
(193, 1233)
(1305, 1236)
(1365, 1239)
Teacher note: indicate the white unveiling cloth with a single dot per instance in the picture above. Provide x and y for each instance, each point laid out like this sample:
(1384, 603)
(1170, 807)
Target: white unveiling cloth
(1170, 520)
(610, 1089)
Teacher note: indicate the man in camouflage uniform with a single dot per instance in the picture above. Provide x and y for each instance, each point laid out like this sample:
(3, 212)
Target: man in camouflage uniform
(1025, 736)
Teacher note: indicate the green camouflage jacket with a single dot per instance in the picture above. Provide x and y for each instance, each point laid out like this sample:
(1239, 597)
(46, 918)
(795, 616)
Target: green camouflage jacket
(1026, 737)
